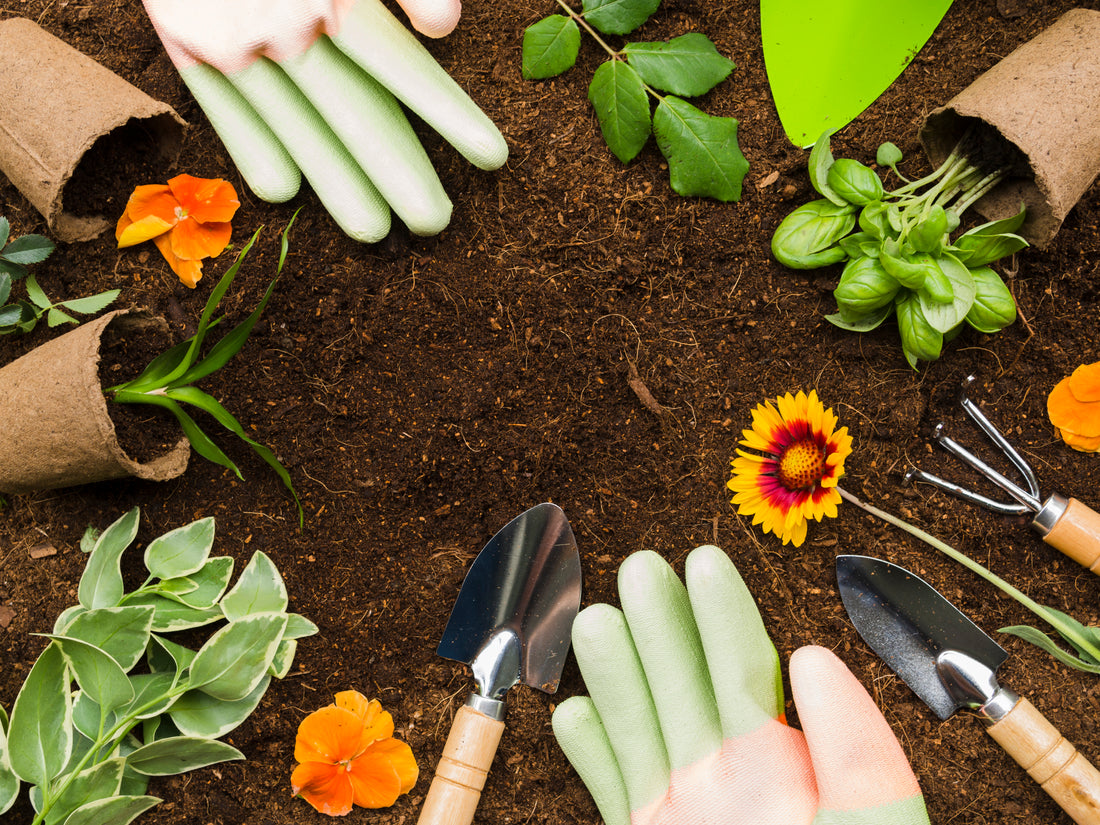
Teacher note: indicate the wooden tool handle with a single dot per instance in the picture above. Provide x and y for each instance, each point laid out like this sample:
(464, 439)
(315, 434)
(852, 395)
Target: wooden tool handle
(1054, 763)
(1077, 534)
(462, 769)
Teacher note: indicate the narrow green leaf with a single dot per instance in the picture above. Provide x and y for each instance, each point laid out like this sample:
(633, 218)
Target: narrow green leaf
(100, 781)
(919, 340)
(180, 754)
(96, 672)
(101, 584)
(550, 47)
(1041, 640)
(178, 586)
(29, 249)
(235, 658)
(152, 377)
(121, 632)
(618, 16)
(1001, 227)
(622, 108)
(40, 735)
(198, 714)
(703, 156)
(979, 250)
(688, 65)
(36, 295)
(210, 583)
(117, 810)
(260, 589)
(182, 551)
(92, 303)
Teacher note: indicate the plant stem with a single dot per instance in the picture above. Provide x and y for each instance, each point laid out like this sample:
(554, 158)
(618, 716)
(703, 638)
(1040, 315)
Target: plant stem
(1042, 612)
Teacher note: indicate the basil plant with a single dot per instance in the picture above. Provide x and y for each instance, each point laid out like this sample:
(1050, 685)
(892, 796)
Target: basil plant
(142, 704)
(896, 247)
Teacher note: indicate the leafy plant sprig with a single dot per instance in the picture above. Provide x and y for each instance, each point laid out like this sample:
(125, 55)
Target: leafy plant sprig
(169, 378)
(23, 315)
(144, 705)
(1084, 639)
(702, 152)
(897, 247)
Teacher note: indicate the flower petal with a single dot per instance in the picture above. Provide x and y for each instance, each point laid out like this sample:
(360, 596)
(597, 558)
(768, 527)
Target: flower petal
(207, 200)
(129, 232)
(1079, 442)
(331, 735)
(326, 787)
(386, 770)
(402, 759)
(189, 272)
(153, 199)
(1066, 412)
(193, 241)
(1085, 382)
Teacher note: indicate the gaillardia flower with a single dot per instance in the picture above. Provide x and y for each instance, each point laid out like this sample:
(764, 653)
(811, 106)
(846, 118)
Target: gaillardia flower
(188, 220)
(796, 478)
(348, 755)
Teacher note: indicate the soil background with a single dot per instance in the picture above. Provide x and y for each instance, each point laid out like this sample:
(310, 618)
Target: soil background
(422, 392)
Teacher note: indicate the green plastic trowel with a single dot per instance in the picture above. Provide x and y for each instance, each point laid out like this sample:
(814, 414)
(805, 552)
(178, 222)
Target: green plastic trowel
(828, 61)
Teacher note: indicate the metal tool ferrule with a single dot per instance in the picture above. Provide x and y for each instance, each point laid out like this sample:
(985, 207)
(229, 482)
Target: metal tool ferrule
(1049, 514)
(998, 707)
(493, 708)
(973, 684)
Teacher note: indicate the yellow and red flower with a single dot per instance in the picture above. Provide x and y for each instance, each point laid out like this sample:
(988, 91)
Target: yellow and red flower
(796, 478)
(1073, 407)
(348, 755)
(188, 219)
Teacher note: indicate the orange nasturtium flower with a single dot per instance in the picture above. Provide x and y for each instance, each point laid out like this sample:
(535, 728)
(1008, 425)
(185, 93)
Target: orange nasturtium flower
(1073, 407)
(188, 219)
(347, 755)
(796, 478)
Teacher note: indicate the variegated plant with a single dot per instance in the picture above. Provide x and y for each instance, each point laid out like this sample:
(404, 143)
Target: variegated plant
(144, 705)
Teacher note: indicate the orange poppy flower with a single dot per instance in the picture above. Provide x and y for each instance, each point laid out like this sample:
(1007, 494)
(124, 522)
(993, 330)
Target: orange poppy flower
(188, 219)
(1073, 407)
(348, 755)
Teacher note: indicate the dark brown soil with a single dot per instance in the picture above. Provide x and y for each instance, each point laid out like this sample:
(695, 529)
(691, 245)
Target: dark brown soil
(422, 392)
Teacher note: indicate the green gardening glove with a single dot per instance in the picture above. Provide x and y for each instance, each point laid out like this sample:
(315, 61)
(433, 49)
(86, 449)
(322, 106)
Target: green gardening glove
(685, 722)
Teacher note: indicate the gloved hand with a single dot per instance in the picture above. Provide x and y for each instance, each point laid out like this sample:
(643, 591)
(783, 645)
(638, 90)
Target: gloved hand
(685, 723)
(308, 87)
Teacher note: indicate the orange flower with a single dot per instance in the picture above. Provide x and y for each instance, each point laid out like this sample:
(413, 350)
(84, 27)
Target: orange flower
(188, 220)
(1073, 407)
(348, 755)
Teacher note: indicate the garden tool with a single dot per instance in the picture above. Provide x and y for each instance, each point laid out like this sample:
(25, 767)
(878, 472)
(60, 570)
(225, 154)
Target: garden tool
(1064, 523)
(827, 62)
(950, 664)
(311, 87)
(511, 624)
(685, 722)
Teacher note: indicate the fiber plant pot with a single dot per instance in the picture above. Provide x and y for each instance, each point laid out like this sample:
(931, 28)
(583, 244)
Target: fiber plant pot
(1043, 100)
(56, 104)
(58, 430)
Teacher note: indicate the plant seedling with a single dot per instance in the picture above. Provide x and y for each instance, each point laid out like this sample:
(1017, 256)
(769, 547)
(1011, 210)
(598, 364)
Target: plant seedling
(702, 152)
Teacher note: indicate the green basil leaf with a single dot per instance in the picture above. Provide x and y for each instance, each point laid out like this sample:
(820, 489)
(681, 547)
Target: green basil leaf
(979, 250)
(235, 658)
(702, 152)
(865, 286)
(929, 233)
(100, 781)
(888, 154)
(622, 108)
(96, 672)
(550, 47)
(180, 754)
(101, 583)
(859, 245)
(1002, 227)
(198, 714)
(688, 65)
(182, 551)
(945, 316)
(910, 272)
(821, 161)
(919, 341)
(873, 221)
(40, 734)
(121, 632)
(618, 16)
(860, 322)
(854, 182)
(260, 589)
(117, 810)
(993, 309)
(805, 238)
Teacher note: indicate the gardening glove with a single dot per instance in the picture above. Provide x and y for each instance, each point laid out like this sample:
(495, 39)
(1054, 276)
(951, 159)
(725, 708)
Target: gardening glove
(685, 722)
(311, 87)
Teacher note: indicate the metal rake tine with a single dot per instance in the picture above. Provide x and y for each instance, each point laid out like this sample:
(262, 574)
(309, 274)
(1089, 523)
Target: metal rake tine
(987, 426)
(1026, 502)
(917, 474)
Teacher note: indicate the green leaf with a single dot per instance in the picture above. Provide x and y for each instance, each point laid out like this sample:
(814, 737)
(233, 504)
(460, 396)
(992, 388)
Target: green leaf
(979, 250)
(284, 659)
(260, 589)
(994, 308)
(198, 714)
(1044, 642)
(121, 632)
(622, 108)
(15, 271)
(152, 695)
(688, 65)
(182, 551)
(180, 754)
(89, 720)
(862, 322)
(100, 781)
(40, 736)
(5, 232)
(945, 316)
(864, 287)
(235, 658)
(96, 672)
(910, 271)
(618, 16)
(168, 657)
(10, 315)
(66, 617)
(29, 249)
(919, 340)
(1001, 227)
(821, 161)
(550, 47)
(888, 154)
(101, 584)
(92, 303)
(152, 377)
(117, 810)
(9, 782)
(55, 318)
(703, 156)
(806, 238)
(210, 583)
(5, 288)
(298, 627)
(929, 233)
(170, 615)
(36, 295)
(854, 182)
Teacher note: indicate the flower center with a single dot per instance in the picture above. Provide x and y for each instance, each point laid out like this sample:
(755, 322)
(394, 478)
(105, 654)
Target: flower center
(802, 465)
(181, 213)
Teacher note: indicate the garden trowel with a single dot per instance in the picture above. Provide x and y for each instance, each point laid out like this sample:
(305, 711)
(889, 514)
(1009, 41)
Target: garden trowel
(951, 664)
(511, 623)
(827, 62)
